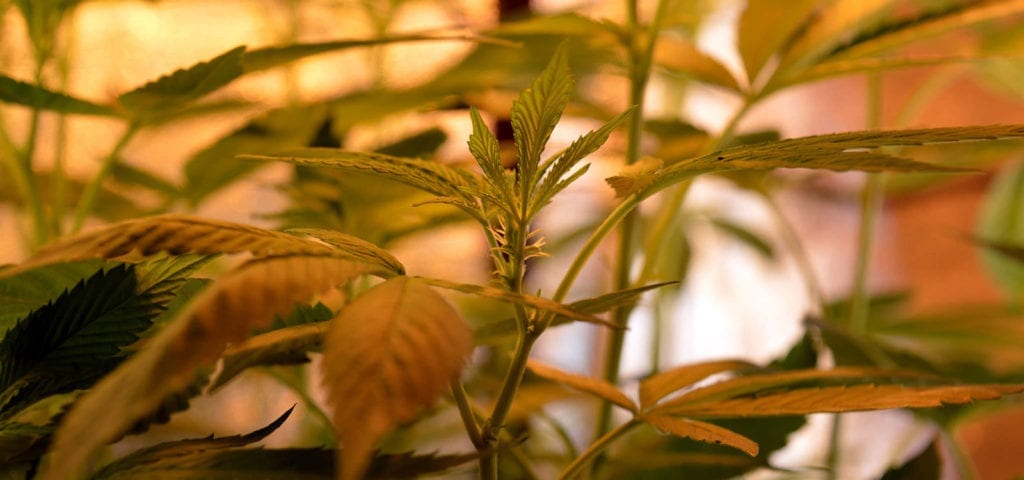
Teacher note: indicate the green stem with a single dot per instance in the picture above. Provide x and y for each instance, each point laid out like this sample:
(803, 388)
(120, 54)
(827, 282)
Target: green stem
(965, 468)
(26, 174)
(596, 448)
(467, 413)
(85, 204)
(491, 430)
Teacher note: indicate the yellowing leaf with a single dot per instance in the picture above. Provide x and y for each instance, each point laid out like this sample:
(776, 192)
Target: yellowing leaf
(636, 177)
(836, 24)
(244, 299)
(703, 432)
(175, 234)
(593, 386)
(682, 57)
(658, 386)
(390, 353)
(283, 346)
(765, 28)
(842, 399)
(355, 246)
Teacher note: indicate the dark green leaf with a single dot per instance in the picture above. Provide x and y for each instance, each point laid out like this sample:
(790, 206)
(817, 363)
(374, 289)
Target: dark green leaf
(27, 291)
(175, 90)
(421, 145)
(1002, 222)
(21, 93)
(183, 448)
(233, 464)
(22, 442)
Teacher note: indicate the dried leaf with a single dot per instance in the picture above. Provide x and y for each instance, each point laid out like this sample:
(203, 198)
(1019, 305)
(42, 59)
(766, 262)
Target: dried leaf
(764, 30)
(593, 386)
(356, 247)
(682, 57)
(390, 353)
(660, 385)
(278, 347)
(703, 432)
(636, 177)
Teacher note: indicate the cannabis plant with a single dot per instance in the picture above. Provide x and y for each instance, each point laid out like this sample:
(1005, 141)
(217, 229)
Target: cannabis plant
(112, 329)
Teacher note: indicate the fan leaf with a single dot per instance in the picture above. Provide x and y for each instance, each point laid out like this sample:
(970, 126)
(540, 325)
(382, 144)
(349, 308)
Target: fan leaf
(596, 387)
(360, 249)
(682, 57)
(175, 234)
(703, 432)
(21, 93)
(26, 291)
(285, 346)
(765, 29)
(390, 353)
(660, 385)
(242, 300)
(175, 90)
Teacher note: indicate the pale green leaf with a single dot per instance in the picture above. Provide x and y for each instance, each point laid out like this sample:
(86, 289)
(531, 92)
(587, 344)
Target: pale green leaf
(485, 149)
(388, 355)
(682, 57)
(183, 448)
(270, 57)
(215, 167)
(764, 30)
(522, 299)
(34, 96)
(284, 346)
(175, 234)
(536, 112)
(903, 32)
(175, 90)
(356, 247)
(846, 398)
(242, 300)
(835, 68)
(594, 386)
(840, 151)
(702, 432)
(663, 384)
(1002, 222)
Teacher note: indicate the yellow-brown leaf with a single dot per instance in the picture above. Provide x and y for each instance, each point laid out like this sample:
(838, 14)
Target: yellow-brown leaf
(242, 300)
(390, 353)
(593, 386)
(703, 432)
(656, 387)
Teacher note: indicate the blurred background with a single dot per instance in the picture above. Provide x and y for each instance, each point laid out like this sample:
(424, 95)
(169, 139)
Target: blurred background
(744, 293)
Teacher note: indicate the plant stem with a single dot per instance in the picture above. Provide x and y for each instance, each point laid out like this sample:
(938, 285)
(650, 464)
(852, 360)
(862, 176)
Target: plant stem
(26, 171)
(596, 448)
(85, 204)
(467, 413)
(796, 247)
(491, 430)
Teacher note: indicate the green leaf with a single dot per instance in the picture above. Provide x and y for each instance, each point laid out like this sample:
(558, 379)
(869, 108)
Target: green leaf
(925, 465)
(596, 387)
(169, 451)
(71, 342)
(215, 167)
(175, 234)
(21, 93)
(356, 247)
(126, 174)
(835, 68)
(390, 353)
(485, 149)
(233, 464)
(29, 290)
(553, 182)
(745, 236)
(432, 177)
(702, 432)
(175, 90)
(765, 29)
(270, 57)
(245, 299)
(840, 151)
(1002, 223)
(536, 112)
(682, 57)
(285, 346)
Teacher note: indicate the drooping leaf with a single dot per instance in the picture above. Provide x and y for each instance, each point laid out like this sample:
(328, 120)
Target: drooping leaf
(702, 432)
(926, 465)
(71, 342)
(34, 96)
(23, 442)
(173, 91)
(356, 247)
(764, 30)
(834, 25)
(662, 384)
(594, 386)
(233, 464)
(215, 167)
(682, 57)
(535, 113)
(553, 181)
(245, 299)
(390, 353)
(286, 346)
(1001, 223)
(270, 57)
(175, 234)
(169, 451)
(841, 151)
(527, 300)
